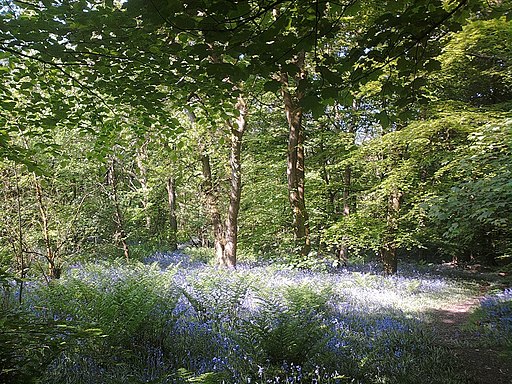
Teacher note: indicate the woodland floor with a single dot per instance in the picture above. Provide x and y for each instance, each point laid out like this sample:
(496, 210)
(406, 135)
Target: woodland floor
(481, 364)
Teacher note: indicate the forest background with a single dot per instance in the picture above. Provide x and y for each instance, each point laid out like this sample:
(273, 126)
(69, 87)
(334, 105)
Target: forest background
(358, 130)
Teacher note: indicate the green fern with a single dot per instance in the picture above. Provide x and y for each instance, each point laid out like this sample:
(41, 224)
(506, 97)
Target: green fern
(219, 293)
(130, 305)
(287, 328)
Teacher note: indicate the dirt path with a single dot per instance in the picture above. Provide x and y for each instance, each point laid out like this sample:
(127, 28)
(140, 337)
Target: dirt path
(481, 365)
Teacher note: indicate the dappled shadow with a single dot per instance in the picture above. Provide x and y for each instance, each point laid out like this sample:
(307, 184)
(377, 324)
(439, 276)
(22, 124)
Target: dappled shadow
(480, 363)
(458, 314)
(374, 316)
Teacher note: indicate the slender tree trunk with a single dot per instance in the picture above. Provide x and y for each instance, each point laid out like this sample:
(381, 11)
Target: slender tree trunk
(347, 184)
(20, 254)
(225, 232)
(295, 157)
(330, 194)
(54, 270)
(121, 233)
(141, 159)
(388, 251)
(237, 132)
(347, 175)
(173, 222)
(211, 200)
(343, 251)
(213, 209)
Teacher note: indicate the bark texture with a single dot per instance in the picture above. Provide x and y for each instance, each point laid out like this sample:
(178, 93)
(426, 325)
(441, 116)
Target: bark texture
(295, 156)
(389, 249)
(237, 131)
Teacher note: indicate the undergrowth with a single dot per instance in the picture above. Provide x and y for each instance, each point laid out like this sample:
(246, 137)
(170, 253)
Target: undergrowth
(493, 318)
(189, 322)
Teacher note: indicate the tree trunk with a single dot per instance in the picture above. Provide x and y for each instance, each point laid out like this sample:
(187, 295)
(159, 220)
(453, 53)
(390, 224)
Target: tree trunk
(141, 160)
(225, 232)
(347, 175)
(211, 200)
(121, 233)
(343, 250)
(173, 222)
(347, 184)
(389, 259)
(20, 252)
(389, 248)
(235, 185)
(213, 209)
(54, 270)
(295, 157)
(330, 193)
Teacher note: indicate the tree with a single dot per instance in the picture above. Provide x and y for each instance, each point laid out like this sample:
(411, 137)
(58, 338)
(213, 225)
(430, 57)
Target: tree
(472, 215)
(295, 170)
(225, 227)
(476, 64)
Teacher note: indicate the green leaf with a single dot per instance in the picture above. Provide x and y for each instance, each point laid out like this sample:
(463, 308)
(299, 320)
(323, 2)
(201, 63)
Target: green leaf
(313, 103)
(272, 86)
(330, 76)
(330, 93)
(383, 118)
(432, 65)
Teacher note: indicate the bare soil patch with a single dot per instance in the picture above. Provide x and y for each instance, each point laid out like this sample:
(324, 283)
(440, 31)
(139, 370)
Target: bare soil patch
(481, 365)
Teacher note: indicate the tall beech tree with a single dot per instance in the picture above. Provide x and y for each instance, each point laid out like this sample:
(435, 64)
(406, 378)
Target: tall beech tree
(225, 225)
(237, 130)
(295, 157)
